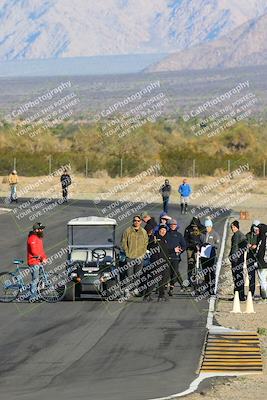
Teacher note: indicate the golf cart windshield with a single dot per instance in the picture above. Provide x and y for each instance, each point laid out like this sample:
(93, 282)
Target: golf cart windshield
(92, 235)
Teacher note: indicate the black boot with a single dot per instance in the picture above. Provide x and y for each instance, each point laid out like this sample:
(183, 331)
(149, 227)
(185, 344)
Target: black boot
(182, 208)
(186, 207)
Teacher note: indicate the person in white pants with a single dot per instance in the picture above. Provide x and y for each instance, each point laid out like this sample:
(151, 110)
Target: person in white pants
(261, 255)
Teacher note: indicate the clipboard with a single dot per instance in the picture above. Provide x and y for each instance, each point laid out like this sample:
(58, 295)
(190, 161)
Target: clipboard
(205, 251)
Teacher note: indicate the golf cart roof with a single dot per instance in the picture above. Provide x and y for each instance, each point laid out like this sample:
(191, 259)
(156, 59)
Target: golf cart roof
(93, 221)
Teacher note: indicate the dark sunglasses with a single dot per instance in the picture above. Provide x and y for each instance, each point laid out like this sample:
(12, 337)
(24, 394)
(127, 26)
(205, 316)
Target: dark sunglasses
(137, 220)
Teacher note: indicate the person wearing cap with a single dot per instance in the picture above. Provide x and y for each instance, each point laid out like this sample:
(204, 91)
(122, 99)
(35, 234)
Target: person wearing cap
(176, 246)
(134, 242)
(35, 255)
(252, 238)
(185, 192)
(192, 237)
(13, 181)
(164, 218)
(261, 254)
(65, 181)
(149, 221)
(165, 192)
(237, 254)
(210, 242)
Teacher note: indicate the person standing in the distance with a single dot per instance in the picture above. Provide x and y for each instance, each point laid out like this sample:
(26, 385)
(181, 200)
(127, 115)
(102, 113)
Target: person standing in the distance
(252, 238)
(210, 241)
(176, 246)
(237, 255)
(65, 180)
(13, 181)
(165, 192)
(35, 256)
(185, 191)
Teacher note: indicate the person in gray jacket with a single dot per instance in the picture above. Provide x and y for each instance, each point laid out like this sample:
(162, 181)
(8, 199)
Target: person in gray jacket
(239, 245)
(210, 241)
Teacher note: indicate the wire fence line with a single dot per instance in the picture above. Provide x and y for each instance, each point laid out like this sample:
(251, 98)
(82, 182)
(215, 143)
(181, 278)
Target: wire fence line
(38, 165)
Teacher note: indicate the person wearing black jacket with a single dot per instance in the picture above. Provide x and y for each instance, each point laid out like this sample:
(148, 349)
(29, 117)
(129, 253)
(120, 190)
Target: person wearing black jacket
(160, 274)
(65, 180)
(192, 237)
(149, 221)
(176, 246)
(165, 192)
(252, 238)
(238, 248)
(261, 255)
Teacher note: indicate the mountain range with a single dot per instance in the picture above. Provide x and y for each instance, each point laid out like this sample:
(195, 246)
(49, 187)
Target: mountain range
(41, 29)
(244, 46)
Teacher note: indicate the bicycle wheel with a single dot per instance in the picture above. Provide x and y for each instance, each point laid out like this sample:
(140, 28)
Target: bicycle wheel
(52, 288)
(9, 287)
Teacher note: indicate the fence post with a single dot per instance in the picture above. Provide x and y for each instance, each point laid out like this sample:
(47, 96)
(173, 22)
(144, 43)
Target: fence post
(229, 166)
(86, 167)
(49, 164)
(194, 169)
(121, 168)
(264, 169)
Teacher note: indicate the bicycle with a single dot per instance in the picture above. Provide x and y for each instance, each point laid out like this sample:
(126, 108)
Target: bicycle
(49, 287)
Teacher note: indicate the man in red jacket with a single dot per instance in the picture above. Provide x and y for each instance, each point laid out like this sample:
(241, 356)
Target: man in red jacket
(35, 255)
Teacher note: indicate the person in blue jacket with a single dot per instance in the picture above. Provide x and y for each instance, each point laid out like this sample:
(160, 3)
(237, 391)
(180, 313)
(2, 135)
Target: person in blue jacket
(185, 191)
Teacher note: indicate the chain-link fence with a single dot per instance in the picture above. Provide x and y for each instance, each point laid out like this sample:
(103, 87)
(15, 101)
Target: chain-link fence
(38, 164)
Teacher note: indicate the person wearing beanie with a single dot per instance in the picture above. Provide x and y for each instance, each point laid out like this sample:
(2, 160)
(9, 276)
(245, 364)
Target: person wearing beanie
(163, 219)
(252, 238)
(237, 254)
(160, 260)
(192, 236)
(210, 242)
(176, 245)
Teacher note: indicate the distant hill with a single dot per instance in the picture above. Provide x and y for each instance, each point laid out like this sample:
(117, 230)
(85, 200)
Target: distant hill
(244, 46)
(63, 28)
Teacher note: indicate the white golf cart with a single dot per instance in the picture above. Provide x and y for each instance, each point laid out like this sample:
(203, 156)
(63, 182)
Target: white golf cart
(92, 257)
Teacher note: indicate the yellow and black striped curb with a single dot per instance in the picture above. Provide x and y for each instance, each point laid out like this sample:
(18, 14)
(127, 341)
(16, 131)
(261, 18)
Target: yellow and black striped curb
(232, 352)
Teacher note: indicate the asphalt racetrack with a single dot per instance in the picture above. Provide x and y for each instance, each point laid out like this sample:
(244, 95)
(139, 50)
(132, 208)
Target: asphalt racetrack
(92, 349)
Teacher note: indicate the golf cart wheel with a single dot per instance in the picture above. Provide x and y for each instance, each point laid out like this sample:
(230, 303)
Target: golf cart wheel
(8, 290)
(51, 290)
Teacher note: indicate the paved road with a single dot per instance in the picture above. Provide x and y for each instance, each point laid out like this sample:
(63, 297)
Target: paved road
(90, 349)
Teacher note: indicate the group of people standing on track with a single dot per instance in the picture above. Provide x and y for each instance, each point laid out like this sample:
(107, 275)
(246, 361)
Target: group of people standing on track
(153, 255)
(249, 250)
